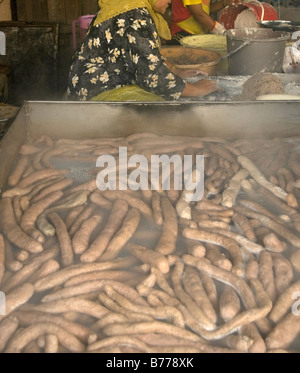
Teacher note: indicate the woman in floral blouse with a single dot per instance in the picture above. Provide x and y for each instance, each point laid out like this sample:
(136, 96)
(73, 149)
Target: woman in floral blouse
(120, 57)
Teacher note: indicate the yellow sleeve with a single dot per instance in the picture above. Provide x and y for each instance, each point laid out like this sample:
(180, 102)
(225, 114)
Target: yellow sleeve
(191, 2)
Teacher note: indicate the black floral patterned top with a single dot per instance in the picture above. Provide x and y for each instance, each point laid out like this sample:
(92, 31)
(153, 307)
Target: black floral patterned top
(122, 51)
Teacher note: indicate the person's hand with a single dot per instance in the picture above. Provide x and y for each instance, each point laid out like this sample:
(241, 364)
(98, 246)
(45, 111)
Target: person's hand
(219, 29)
(201, 88)
(205, 87)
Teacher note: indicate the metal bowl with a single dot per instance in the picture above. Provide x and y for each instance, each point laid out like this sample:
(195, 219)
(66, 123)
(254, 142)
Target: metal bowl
(280, 25)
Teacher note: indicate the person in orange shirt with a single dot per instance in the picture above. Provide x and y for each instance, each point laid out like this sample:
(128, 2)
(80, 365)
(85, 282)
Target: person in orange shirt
(190, 17)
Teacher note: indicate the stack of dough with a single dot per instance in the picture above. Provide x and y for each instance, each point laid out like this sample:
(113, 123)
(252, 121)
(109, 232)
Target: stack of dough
(261, 84)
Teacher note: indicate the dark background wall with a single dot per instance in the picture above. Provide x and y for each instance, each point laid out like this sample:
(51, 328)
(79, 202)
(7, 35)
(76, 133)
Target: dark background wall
(39, 46)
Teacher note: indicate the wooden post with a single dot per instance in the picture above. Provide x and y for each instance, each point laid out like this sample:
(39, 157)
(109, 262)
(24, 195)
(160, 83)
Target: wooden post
(89, 6)
(34, 10)
(40, 10)
(73, 10)
(21, 10)
(28, 11)
(57, 11)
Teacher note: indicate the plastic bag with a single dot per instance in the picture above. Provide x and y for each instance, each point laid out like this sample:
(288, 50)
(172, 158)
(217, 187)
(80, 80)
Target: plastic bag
(291, 60)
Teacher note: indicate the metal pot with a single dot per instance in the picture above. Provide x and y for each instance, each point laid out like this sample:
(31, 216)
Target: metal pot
(257, 51)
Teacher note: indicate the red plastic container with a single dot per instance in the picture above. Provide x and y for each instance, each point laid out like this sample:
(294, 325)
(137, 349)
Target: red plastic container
(84, 23)
(229, 14)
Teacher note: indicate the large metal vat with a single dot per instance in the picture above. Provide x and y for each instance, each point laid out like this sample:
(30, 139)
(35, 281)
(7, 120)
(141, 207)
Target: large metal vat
(91, 120)
(238, 122)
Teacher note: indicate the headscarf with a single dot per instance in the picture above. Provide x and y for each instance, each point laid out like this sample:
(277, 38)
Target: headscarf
(112, 8)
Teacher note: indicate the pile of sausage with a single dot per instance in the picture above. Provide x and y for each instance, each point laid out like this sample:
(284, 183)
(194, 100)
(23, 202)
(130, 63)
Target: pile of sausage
(84, 270)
